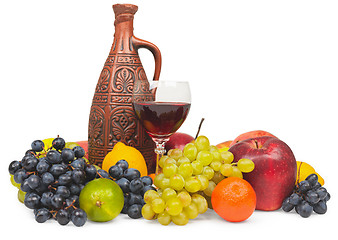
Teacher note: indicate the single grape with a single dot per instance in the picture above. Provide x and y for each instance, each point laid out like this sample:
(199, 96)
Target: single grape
(320, 207)
(37, 146)
(190, 151)
(53, 157)
(191, 210)
(164, 218)
(25, 187)
(312, 197)
(168, 193)
(124, 184)
(47, 178)
(185, 169)
(208, 172)
(184, 197)
(14, 166)
(211, 186)
(43, 166)
(79, 163)
(304, 209)
(158, 179)
(57, 201)
(216, 165)
(181, 160)
(322, 193)
(174, 206)
(32, 200)
(236, 172)
(135, 199)
(204, 182)
(46, 199)
(158, 205)
(180, 219)
(58, 169)
(147, 181)
(192, 184)
(63, 191)
(169, 169)
(67, 155)
(62, 217)
(78, 176)
(245, 165)
(197, 167)
(134, 211)
(286, 205)
(175, 153)
(75, 189)
(217, 177)
(79, 217)
(200, 202)
(202, 143)
(131, 173)
(177, 182)
(115, 172)
(102, 174)
(42, 215)
(304, 186)
(295, 199)
(226, 169)
(91, 172)
(147, 212)
(136, 185)
(79, 151)
(122, 164)
(150, 195)
(227, 157)
(58, 143)
(29, 163)
(33, 181)
(204, 157)
(312, 179)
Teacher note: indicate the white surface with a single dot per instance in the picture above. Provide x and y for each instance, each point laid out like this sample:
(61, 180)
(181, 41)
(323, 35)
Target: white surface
(269, 65)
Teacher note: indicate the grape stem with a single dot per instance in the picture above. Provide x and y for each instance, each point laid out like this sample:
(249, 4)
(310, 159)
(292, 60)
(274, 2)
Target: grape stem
(199, 128)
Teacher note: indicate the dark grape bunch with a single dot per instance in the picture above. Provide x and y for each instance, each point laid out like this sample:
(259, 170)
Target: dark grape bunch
(53, 179)
(133, 187)
(307, 197)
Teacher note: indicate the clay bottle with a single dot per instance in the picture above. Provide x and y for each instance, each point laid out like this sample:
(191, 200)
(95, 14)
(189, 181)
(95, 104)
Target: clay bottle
(112, 118)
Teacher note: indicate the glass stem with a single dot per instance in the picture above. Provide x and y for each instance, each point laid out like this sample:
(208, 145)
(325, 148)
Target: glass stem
(160, 151)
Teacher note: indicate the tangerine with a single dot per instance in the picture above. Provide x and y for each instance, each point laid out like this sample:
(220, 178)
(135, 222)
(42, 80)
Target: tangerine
(133, 156)
(234, 199)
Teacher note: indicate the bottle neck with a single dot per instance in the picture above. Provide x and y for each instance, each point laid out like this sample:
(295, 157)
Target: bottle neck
(124, 30)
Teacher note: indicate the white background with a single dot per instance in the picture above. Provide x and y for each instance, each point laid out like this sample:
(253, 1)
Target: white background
(252, 64)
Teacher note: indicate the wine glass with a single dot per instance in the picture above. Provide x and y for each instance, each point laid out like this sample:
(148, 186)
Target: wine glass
(161, 107)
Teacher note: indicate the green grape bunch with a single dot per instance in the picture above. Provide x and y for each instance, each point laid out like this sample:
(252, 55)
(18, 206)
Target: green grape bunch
(194, 171)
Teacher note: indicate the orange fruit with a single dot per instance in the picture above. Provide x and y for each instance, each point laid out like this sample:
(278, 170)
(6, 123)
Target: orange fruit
(234, 199)
(133, 156)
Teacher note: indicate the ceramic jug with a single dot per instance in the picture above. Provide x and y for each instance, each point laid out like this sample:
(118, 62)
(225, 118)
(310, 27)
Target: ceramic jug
(112, 118)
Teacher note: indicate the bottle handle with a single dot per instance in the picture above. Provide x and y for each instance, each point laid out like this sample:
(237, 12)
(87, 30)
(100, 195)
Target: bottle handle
(139, 43)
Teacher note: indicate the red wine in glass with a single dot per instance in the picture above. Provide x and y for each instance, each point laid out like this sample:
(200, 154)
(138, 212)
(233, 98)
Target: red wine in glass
(161, 119)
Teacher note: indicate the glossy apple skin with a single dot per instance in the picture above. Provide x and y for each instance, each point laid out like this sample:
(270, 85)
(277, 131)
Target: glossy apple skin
(224, 144)
(178, 140)
(274, 175)
(251, 134)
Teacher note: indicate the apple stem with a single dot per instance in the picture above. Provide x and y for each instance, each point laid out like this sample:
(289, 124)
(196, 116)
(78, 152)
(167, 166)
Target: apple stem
(199, 128)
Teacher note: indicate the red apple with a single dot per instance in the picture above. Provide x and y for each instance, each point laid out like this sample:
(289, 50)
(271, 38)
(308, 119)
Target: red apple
(274, 175)
(251, 134)
(178, 140)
